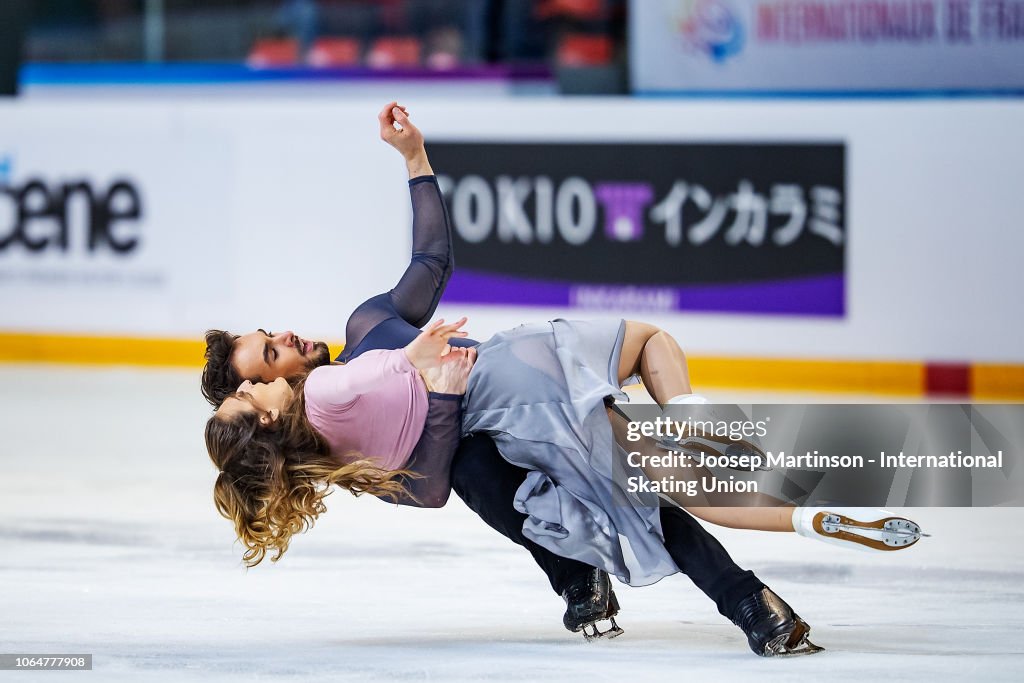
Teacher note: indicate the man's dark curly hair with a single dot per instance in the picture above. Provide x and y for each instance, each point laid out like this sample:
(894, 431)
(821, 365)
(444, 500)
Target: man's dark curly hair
(220, 379)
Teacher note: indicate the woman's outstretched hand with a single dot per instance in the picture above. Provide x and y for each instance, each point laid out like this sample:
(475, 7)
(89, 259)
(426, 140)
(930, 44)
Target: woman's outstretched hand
(426, 350)
(452, 375)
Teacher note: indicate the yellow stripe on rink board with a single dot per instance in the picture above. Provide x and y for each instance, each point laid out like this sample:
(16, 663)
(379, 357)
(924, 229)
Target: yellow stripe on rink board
(997, 382)
(82, 350)
(781, 374)
(895, 378)
(90, 350)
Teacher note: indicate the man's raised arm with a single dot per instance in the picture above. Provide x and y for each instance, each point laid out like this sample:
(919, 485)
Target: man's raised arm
(419, 290)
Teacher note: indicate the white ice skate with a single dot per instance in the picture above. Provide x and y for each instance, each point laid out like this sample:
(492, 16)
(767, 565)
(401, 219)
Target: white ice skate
(867, 529)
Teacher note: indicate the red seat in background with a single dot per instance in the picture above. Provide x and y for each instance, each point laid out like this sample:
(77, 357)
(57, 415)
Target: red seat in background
(389, 52)
(582, 49)
(271, 52)
(332, 52)
(580, 10)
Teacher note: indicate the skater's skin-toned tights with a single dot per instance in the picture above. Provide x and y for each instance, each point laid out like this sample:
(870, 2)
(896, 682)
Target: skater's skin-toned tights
(657, 357)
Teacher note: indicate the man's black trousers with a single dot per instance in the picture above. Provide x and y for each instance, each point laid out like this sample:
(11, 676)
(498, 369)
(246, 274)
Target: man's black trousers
(487, 483)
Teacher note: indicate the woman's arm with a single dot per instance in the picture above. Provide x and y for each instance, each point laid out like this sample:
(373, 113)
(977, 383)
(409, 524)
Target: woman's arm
(430, 349)
(432, 457)
(431, 460)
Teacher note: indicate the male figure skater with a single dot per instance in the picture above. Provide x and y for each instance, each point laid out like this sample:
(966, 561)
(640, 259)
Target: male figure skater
(480, 476)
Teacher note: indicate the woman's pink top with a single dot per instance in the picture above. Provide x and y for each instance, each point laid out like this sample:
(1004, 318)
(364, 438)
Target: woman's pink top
(372, 407)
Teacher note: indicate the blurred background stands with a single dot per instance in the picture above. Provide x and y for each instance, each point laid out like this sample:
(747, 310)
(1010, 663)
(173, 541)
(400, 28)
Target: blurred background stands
(582, 42)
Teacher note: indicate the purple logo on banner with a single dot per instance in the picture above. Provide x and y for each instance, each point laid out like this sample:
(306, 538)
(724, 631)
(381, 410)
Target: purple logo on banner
(624, 209)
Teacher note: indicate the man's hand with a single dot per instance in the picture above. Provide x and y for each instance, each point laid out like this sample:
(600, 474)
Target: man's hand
(452, 375)
(407, 138)
(426, 350)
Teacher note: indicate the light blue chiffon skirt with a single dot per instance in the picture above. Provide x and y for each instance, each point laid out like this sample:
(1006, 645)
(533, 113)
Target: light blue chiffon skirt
(540, 392)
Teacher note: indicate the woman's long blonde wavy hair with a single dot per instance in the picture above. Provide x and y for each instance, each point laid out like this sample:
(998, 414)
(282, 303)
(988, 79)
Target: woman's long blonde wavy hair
(273, 480)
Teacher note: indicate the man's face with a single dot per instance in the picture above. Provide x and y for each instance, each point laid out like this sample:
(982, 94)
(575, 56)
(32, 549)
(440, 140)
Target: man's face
(265, 356)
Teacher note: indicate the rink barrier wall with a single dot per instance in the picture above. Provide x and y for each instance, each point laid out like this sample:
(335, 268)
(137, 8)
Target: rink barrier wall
(930, 190)
(982, 381)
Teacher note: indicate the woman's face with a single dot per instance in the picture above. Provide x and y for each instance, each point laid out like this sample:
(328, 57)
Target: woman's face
(267, 398)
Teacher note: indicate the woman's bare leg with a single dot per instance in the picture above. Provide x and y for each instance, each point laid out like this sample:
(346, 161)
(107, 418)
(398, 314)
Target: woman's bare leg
(657, 357)
(761, 519)
(767, 513)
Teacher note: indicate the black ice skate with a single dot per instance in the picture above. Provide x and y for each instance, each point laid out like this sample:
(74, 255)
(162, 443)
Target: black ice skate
(588, 600)
(773, 629)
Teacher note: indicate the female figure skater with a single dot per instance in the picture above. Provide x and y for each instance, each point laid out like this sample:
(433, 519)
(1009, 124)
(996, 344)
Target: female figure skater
(539, 390)
(481, 478)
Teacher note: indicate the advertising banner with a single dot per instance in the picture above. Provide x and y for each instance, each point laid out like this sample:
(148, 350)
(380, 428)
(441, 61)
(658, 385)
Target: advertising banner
(109, 220)
(804, 229)
(752, 228)
(815, 46)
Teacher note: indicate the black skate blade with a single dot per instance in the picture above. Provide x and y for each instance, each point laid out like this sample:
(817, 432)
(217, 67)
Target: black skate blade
(596, 634)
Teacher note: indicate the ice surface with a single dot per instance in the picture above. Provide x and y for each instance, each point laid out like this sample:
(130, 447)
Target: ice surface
(110, 545)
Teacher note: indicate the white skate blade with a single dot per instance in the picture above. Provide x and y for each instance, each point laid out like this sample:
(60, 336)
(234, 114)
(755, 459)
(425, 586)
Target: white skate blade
(885, 534)
(793, 644)
(805, 647)
(592, 633)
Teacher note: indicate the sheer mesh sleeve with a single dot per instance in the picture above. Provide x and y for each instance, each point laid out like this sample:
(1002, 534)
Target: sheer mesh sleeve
(433, 454)
(419, 290)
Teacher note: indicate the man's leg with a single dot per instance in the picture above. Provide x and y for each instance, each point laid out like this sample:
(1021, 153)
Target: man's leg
(700, 556)
(487, 483)
(771, 626)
